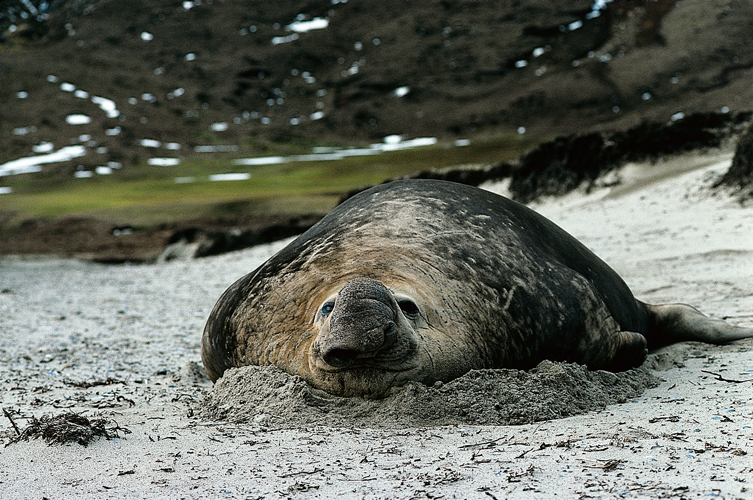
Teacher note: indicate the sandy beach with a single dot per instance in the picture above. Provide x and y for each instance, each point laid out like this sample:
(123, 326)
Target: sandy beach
(122, 343)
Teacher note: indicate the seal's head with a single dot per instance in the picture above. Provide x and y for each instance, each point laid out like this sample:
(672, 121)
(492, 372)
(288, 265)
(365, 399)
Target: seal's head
(361, 333)
(367, 338)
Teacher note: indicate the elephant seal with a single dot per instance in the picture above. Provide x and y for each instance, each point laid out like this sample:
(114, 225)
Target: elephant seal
(425, 280)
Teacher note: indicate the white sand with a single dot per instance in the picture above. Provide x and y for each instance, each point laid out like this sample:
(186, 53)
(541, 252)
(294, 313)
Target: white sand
(691, 437)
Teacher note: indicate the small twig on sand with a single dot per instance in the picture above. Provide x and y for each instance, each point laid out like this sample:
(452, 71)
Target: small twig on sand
(291, 474)
(606, 465)
(527, 452)
(15, 427)
(722, 379)
(485, 444)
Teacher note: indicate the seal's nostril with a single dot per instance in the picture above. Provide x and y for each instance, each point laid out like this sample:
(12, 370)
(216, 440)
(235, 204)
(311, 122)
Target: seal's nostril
(339, 358)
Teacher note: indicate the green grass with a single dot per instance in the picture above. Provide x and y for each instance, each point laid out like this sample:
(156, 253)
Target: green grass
(147, 195)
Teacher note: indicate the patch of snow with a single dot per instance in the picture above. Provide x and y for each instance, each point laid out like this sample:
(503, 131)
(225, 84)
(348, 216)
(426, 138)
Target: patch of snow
(103, 170)
(391, 143)
(83, 174)
(219, 127)
(265, 160)
(411, 143)
(219, 148)
(163, 162)
(146, 36)
(597, 7)
(106, 105)
(43, 147)
(318, 23)
(77, 119)
(230, 177)
(22, 94)
(353, 70)
(284, 39)
(150, 143)
(32, 163)
(6, 190)
(24, 130)
(401, 91)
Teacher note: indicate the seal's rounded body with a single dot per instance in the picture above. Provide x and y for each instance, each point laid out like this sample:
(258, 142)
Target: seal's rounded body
(425, 280)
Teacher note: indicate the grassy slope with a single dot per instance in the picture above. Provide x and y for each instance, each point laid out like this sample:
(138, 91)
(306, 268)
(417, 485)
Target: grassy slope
(148, 195)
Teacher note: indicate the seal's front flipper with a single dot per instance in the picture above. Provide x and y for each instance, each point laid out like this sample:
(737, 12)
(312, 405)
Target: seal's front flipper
(669, 323)
(617, 352)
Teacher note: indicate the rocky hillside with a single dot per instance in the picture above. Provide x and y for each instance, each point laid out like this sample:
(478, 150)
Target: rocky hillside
(126, 80)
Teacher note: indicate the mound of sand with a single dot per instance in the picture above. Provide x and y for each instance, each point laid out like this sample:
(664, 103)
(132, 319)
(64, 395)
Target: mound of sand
(270, 397)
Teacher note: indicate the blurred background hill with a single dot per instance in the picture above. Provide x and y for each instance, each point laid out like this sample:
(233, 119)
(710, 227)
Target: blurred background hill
(131, 87)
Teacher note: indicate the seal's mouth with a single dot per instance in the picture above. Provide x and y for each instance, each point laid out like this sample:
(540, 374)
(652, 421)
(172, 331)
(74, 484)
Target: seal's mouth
(372, 377)
(398, 360)
(364, 381)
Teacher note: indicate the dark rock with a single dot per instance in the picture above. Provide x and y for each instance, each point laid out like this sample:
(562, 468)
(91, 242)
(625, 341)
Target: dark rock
(559, 166)
(197, 242)
(740, 174)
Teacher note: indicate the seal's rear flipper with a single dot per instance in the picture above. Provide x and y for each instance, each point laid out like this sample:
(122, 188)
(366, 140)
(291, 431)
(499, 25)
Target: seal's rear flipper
(669, 323)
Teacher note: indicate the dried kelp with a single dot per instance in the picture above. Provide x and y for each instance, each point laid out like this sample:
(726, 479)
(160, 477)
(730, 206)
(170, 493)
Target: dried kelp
(70, 427)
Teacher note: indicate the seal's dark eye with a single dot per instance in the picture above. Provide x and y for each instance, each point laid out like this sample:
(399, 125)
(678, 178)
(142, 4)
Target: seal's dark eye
(408, 307)
(327, 308)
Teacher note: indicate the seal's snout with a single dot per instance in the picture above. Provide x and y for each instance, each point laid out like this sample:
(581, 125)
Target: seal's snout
(362, 324)
(357, 347)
